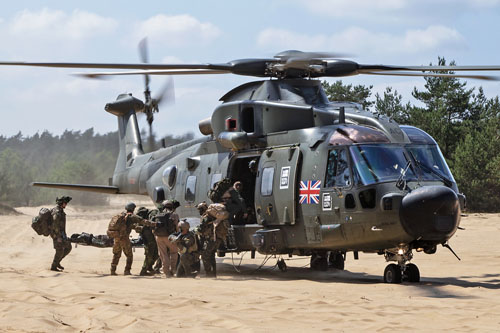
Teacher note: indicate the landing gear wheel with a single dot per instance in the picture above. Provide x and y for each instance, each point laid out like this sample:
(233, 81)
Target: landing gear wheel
(282, 265)
(319, 262)
(336, 260)
(412, 273)
(392, 274)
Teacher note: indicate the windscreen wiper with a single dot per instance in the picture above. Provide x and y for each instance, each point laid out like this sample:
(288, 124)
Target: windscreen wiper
(445, 180)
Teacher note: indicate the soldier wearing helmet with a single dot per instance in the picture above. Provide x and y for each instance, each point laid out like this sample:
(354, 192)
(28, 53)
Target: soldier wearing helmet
(212, 232)
(166, 249)
(187, 245)
(60, 240)
(119, 229)
(150, 248)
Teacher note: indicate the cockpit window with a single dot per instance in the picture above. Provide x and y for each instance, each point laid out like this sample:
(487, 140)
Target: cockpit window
(352, 134)
(430, 161)
(380, 163)
(337, 169)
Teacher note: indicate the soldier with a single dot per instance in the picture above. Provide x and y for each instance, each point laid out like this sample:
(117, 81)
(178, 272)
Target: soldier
(187, 245)
(212, 232)
(119, 228)
(62, 244)
(150, 247)
(167, 250)
(235, 204)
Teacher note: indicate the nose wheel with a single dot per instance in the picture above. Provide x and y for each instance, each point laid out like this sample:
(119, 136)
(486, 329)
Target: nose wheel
(402, 271)
(396, 274)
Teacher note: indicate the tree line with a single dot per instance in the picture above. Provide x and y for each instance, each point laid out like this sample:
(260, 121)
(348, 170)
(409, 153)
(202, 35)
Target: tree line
(73, 157)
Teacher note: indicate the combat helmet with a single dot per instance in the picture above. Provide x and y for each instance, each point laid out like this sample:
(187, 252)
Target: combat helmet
(184, 225)
(169, 204)
(63, 199)
(130, 207)
(202, 207)
(142, 212)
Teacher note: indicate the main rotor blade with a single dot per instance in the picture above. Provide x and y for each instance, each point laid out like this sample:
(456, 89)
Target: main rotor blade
(97, 75)
(362, 68)
(107, 65)
(285, 55)
(478, 77)
(80, 187)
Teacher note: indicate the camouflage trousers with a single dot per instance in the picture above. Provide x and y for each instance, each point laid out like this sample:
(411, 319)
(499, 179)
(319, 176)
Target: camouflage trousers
(119, 245)
(62, 248)
(150, 255)
(209, 248)
(185, 268)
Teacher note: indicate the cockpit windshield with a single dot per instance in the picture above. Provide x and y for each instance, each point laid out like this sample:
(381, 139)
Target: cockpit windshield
(380, 163)
(430, 162)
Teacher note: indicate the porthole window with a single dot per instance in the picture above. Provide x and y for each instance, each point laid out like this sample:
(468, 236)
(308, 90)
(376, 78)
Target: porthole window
(266, 187)
(215, 178)
(169, 175)
(190, 188)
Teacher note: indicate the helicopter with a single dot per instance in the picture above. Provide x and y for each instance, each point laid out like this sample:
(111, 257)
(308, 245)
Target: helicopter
(321, 178)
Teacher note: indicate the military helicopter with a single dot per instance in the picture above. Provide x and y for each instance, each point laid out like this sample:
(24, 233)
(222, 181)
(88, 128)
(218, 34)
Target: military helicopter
(321, 178)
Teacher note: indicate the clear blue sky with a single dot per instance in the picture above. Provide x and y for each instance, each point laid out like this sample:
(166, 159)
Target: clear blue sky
(399, 32)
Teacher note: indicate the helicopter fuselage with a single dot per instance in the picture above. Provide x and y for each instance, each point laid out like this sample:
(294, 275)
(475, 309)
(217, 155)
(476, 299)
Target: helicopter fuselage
(329, 177)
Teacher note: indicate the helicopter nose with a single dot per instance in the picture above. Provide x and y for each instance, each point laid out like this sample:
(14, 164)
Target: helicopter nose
(430, 213)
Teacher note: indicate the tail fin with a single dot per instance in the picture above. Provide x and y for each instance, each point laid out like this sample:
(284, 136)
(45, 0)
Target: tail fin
(125, 108)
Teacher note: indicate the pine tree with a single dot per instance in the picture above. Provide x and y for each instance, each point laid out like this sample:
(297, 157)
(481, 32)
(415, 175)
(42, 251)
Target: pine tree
(348, 93)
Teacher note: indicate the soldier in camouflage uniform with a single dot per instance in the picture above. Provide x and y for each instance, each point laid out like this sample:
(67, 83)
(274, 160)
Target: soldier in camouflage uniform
(122, 242)
(187, 245)
(212, 232)
(150, 247)
(62, 244)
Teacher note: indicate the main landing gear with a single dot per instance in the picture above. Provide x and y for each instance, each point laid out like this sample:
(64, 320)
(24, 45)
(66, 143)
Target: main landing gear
(322, 260)
(402, 271)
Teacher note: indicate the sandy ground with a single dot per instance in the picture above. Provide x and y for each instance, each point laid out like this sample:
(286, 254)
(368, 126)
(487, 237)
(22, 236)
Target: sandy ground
(453, 295)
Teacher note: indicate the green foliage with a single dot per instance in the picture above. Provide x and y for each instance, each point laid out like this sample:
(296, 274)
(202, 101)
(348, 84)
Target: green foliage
(447, 104)
(391, 106)
(74, 157)
(477, 166)
(349, 93)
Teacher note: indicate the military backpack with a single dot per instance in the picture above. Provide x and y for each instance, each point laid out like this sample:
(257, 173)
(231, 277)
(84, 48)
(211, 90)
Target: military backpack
(117, 227)
(166, 224)
(219, 189)
(42, 223)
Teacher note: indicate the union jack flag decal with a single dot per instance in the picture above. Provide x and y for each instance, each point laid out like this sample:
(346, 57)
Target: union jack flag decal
(309, 191)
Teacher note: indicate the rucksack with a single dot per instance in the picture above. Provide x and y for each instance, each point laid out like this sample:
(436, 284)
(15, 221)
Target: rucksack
(42, 223)
(167, 226)
(117, 227)
(219, 189)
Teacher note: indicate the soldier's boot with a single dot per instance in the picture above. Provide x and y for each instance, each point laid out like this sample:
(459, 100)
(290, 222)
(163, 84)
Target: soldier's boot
(144, 272)
(113, 269)
(128, 267)
(60, 267)
(54, 268)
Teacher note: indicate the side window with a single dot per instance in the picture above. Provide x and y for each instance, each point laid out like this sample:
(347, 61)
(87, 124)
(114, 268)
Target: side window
(337, 169)
(215, 178)
(169, 175)
(266, 187)
(190, 188)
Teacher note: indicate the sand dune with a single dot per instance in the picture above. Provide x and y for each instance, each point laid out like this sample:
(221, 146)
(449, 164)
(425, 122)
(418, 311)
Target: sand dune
(453, 295)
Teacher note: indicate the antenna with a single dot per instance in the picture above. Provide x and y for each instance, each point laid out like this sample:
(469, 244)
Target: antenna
(342, 115)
